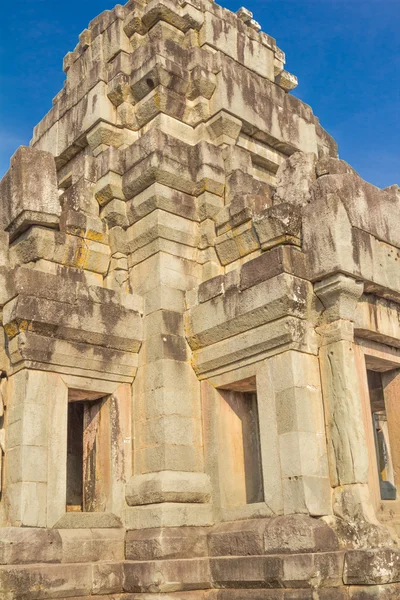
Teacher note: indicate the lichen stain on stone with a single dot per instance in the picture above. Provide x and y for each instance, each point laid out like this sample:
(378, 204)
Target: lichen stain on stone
(213, 241)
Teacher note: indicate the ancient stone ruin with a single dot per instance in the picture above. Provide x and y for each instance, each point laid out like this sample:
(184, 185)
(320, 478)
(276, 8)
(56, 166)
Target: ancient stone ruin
(200, 356)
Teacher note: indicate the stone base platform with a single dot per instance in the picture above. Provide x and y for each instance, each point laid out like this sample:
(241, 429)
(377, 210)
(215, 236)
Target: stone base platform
(284, 558)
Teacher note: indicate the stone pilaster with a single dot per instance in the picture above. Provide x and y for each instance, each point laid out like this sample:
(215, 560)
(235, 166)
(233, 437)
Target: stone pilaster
(289, 388)
(34, 465)
(347, 444)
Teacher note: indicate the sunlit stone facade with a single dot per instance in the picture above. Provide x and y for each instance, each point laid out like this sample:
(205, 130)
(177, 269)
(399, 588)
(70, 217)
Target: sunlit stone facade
(200, 339)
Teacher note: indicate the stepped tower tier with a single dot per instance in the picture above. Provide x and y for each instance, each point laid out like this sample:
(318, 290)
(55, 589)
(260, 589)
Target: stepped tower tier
(200, 341)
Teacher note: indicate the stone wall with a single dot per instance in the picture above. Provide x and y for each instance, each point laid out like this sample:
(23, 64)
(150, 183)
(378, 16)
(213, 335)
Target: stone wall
(183, 253)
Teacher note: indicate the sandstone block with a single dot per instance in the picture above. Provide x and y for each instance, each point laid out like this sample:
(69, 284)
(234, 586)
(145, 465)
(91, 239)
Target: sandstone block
(280, 224)
(168, 486)
(84, 226)
(295, 178)
(161, 197)
(104, 134)
(218, 319)
(161, 224)
(211, 288)
(298, 533)
(168, 515)
(81, 325)
(369, 567)
(109, 187)
(333, 594)
(376, 592)
(114, 213)
(92, 545)
(170, 543)
(286, 333)
(328, 165)
(162, 576)
(27, 463)
(41, 582)
(238, 538)
(184, 18)
(251, 594)
(286, 80)
(29, 545)
(313, 570)
(339, 294)
(247, 572)
(29, 192)
(170, 457)
(343, 409)
(308, 494)
(88, 520)
(79, 197)
(108, 578)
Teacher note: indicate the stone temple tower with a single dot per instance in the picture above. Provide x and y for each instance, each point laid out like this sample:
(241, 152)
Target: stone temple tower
(200, 333)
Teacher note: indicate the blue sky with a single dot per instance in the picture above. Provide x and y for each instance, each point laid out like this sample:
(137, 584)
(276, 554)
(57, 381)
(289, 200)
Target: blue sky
(346, 54)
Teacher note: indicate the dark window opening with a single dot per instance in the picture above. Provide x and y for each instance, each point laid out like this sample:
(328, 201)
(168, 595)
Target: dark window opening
(75, 457)
(381, 436)
(87, 455)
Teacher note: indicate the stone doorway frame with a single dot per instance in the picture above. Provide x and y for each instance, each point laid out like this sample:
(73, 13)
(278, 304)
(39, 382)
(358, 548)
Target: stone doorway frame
(35, 493)
(384, 359)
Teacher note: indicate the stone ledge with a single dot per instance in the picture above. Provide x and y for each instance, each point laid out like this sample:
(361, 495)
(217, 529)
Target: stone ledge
(290, 534)
(315, 576)
(369, 567)
(47, 582)
(171, 543)
(375, 592)
(168, 486)
(88, 520)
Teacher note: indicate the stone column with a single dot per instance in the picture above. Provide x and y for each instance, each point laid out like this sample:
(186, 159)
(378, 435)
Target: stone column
(294, 455)
(347, 444)
(169, 486)
(34, 468)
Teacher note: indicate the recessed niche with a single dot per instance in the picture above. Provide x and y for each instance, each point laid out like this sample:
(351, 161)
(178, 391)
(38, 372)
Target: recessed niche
(381, 436)
(241, 479)
(88, 455)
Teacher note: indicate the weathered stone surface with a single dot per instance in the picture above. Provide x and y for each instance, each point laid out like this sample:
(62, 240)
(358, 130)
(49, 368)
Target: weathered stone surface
(298, 533)
(280, 224)
(376, 592)
(91, 545)
(29, 545)
(216, 320)
(346, 434)
(294, 179)
(90, 520)
(238, 538)
(108, 578)
(167, 575)
(313, 570)
(29, 192)
(168, 514)
(172, 543)
(369, 567)
(356, 524)
(168, 486)
(39, 582)
(247, 572)
(192, 287)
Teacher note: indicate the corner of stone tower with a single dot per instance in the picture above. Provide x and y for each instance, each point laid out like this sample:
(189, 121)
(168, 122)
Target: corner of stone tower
(199, 350)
